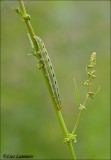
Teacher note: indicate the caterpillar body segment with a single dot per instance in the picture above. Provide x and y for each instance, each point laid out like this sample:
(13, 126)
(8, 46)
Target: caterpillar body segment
(45, 59)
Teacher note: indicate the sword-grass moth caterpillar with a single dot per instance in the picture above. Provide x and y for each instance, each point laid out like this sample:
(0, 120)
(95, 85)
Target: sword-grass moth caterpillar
(45, 59)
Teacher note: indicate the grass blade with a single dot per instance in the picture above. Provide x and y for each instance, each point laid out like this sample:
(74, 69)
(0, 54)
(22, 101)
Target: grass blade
(77, 93)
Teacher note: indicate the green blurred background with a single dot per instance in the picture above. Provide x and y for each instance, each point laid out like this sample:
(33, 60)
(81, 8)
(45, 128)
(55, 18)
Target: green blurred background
(71, 31)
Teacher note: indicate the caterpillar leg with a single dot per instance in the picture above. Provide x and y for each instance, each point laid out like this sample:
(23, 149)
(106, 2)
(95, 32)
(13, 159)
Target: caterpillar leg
(32, 53)
(39, 65)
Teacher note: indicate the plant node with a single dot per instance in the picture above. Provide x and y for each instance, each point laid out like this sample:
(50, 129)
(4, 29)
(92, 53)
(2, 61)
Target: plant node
(26, 17)
(91, 95)
(69, 138)
(81, 107)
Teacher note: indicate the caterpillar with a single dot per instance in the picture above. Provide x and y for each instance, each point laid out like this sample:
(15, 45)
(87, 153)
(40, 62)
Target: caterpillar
(45, 59)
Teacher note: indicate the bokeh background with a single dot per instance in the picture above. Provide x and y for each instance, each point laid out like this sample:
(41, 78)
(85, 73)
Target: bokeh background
(71, 31)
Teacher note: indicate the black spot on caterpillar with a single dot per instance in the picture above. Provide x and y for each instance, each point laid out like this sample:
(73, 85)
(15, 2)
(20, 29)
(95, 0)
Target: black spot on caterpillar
(49, 71)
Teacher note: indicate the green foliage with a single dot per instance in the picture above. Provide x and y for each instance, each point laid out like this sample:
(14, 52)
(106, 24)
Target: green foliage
(91, 67)
(17, 11)
(87, 83)
(90, 71)
(91, 95)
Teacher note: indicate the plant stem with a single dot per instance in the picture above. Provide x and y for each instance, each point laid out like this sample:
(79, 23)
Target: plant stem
(72, 151)
(80, 112)
(77, 122)
(23, 10)
(58, 112)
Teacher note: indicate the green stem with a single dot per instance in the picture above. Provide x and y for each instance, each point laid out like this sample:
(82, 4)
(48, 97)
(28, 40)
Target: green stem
(77, 122)
(80, 112)
(58, 112)
(32, 34)
(72, 151)
(23, 10)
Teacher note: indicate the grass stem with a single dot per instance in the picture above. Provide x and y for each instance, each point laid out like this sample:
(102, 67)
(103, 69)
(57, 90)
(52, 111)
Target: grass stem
(58, 112)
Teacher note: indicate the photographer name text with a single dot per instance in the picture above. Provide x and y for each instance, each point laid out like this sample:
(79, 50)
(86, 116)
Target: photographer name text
(17, 156)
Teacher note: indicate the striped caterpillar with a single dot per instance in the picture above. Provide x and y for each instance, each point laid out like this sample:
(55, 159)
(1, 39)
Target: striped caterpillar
(44, 58)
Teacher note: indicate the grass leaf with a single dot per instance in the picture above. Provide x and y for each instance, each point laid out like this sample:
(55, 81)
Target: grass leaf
(77, 93)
